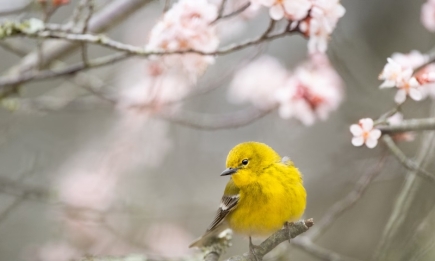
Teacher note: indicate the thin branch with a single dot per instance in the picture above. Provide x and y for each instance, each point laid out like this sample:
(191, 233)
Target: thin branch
(67, 71)
(317, 251)
(234, 13)
(347, 202)
(129, 50)
(16, 47)
(406, 162)
(20, 190)
(405, 198)
(216, 122)
(105, 41)
(90, 6)
(7, 211)
(167, 5)
(77, 13)
(274, 240)
(409, 125)
(221, 9)
(430, 60)
(106, 18)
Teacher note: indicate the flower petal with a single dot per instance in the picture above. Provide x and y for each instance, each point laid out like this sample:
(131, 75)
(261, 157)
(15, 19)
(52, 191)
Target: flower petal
(366, 124)
(400, 96)
(415, 94)
(356, 130)
(387, 84)
(276, 12)
(286, 111)
(371, 143)
(357, 141)
(375, 134)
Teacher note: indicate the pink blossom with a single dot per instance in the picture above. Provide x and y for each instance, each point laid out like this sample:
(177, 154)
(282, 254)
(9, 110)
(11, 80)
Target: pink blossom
(322, 21)
(87, 190)
(395, 119)
(313, 91)
(410, 88)
(426, 78)
(394, 74)
(291, 9)
(153, 88)
(186, 26)
(364, 132)
(257, 82)
(410, 60)
(428, 15)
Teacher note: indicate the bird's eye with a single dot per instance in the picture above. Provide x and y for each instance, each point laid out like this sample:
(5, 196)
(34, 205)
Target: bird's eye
(245, 162)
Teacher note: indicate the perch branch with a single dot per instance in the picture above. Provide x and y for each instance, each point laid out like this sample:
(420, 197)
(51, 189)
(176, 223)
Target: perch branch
(274, 240)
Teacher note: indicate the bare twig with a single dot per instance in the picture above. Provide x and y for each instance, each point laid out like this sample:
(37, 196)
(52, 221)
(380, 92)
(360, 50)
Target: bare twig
(404, 199)
(216, 122)
(109, 16)
(105, 60)
(17, 189)
(221, 8)
(347, 202)
(234, 13)
(15, 47)
(317, 251)
(167, 5)
(128, 50)
(7, 211)
(90, 5)
(406, 162)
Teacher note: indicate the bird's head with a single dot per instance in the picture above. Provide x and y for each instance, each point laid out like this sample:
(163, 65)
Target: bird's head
(247, 160)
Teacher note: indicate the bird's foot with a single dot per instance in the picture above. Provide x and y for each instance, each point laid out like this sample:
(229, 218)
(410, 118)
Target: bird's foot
(288, 225)
(252, 248)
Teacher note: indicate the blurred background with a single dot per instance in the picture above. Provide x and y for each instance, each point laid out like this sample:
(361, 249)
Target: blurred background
(147, 185)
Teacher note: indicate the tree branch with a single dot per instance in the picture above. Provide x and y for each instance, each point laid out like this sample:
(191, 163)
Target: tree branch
(103, 20)
(215, 122)
(409, 125)
(406, 162)
(404, 199)
(128, 50)
(322, 253)
(274, 240)
(347, 202)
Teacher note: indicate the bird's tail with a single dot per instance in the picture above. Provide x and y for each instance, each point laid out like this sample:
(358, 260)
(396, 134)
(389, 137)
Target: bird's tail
(210, 236)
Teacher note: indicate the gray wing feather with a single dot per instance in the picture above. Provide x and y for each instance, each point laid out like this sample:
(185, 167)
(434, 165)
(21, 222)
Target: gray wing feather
(228, 203)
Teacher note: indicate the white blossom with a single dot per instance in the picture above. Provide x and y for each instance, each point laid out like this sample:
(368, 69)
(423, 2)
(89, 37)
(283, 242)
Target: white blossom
(365, 133)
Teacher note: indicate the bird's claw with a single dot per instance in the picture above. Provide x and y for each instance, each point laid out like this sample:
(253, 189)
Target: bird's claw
(252, 248)
(287, 225)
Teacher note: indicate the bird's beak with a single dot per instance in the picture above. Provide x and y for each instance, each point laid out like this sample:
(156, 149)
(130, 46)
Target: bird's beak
(228, 171)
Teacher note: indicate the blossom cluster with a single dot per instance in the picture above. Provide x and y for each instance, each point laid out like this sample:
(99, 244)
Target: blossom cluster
(311, 92)
(428, 15)
(316, 19)
(186, 26)
(399, 72)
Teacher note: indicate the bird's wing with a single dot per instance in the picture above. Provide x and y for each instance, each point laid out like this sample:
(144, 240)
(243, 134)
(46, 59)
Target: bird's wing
(228, 203)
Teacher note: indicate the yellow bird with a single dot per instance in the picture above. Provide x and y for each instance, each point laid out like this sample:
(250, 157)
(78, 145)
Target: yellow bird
(264, 193)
